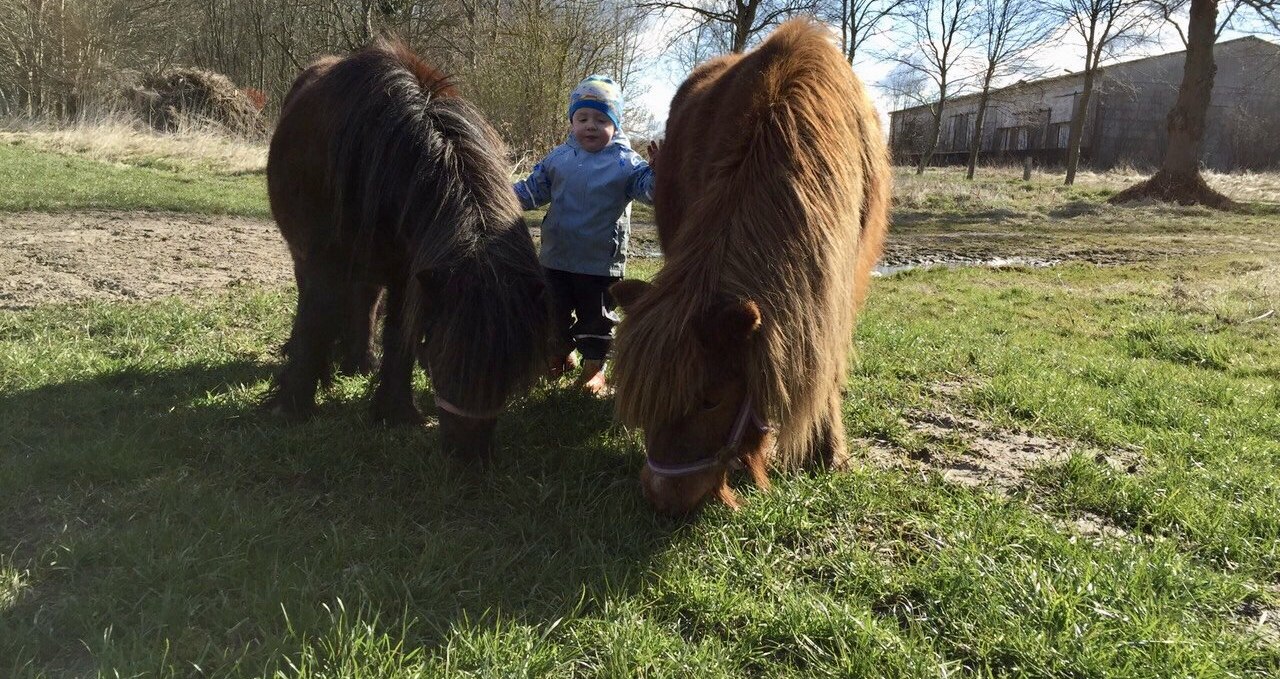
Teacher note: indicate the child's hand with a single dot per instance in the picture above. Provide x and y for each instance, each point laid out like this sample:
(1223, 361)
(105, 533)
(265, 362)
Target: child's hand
(653, 155)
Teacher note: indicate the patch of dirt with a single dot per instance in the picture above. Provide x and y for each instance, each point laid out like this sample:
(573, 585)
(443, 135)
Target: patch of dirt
(989, 456)
(1092, 525)
(976, 454)
(119, 256)
(1261, 619)
(110, 256)
(917, 247)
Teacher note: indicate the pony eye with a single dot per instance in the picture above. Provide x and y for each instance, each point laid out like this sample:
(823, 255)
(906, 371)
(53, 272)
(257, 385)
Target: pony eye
(709, 404)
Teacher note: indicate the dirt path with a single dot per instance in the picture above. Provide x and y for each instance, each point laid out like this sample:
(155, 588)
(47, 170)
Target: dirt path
(113, 256)
(49, 258)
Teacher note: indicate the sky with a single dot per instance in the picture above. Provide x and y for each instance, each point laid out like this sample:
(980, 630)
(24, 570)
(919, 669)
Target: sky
(1065, 52)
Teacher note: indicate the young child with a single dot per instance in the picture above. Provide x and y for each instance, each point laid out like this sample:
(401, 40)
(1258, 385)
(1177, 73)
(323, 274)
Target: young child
(590, 181)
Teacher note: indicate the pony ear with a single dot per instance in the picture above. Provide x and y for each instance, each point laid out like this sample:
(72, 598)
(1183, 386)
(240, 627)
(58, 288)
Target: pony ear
(626, 292)
(731, 325)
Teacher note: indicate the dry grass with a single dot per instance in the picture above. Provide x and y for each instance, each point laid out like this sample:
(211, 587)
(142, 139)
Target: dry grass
(120, 141)
(1003, 188)
(1263, 187)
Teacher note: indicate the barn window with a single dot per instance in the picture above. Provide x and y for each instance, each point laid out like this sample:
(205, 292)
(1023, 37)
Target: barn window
(960, 132)
(1059, 134)
(1007, 139)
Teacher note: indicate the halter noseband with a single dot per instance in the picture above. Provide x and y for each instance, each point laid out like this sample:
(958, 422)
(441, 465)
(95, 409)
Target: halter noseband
(469, 414)
(726, 456)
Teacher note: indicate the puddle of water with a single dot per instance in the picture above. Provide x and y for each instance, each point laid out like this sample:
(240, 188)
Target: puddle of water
(996, 263)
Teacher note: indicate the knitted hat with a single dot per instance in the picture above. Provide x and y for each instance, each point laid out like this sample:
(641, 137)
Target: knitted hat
(601, 93)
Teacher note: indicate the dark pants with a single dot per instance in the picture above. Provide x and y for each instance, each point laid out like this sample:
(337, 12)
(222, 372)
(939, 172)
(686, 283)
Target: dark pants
(585, 298)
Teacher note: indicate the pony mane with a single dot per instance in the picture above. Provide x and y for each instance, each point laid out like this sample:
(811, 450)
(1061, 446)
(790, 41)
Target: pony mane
(418, 159)
(782, 200)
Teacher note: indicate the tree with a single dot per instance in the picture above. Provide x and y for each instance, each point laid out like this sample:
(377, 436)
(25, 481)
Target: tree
(859, 21)
(1009, 31)
(740, 20)
(1107, 27)
(1178, 179)
(905, 88)
(933, 42)
(517, 59)
(56, 56)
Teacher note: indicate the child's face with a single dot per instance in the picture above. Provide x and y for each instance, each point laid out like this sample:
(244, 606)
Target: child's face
(593, 129)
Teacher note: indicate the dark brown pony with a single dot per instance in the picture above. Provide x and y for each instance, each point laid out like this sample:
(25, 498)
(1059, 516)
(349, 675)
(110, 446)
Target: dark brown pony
(772, 206)
(381, 177)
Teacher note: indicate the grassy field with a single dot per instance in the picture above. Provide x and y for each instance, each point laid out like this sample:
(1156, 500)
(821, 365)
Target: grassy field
(153, 523)
(118, 168)
(114, 166)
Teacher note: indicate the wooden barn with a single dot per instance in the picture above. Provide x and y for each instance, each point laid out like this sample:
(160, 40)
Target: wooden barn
(1125, 123)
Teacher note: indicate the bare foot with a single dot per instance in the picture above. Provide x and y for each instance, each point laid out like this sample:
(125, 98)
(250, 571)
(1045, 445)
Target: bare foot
(592, 380)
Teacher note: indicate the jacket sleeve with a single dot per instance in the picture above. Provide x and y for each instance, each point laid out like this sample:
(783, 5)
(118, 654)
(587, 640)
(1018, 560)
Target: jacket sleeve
(640, 185)
(535, 190)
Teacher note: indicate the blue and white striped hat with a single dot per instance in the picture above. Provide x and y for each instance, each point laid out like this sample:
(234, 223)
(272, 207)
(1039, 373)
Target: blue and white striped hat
(599, 92)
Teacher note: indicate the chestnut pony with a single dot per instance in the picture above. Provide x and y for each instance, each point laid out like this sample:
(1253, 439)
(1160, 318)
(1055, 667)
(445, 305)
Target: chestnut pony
(772, 206)
(381, 177)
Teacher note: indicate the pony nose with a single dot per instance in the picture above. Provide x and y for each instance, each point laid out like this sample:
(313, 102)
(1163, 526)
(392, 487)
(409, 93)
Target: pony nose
(466, 439)
(665, 496)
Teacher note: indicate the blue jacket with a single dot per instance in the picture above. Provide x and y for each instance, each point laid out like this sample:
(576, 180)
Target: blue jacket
(586, 228)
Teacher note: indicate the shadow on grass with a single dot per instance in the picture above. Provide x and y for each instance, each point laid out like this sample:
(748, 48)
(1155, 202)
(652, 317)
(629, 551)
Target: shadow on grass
(157, 519)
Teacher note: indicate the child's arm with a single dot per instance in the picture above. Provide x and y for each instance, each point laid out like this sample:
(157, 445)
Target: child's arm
(534, 190)
(640, 186)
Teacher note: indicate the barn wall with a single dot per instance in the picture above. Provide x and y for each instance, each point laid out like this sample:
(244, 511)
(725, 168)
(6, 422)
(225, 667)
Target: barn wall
(1126, 123)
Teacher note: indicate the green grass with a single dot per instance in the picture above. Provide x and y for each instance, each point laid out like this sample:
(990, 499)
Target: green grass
(153, 523)
(40, 176)
(38, 180)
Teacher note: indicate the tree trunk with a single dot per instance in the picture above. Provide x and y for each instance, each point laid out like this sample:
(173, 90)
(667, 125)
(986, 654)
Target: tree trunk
(1179, 177)
(746, 15)
(844, 29)
(934, 135)
(1187, 119)
(64, 89)
(1076, 137)
(976, 146)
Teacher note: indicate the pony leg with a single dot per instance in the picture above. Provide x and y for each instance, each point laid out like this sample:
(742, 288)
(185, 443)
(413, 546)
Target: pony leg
(831, 447)
(393, 398)
(357, 335)
(315, 327)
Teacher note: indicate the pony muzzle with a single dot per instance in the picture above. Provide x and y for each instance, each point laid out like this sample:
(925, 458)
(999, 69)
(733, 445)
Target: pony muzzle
(678, 495)
(464, 433)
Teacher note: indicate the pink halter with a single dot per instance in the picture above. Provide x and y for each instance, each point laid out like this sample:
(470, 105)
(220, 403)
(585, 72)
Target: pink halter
(469, 414)
(726, 456)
